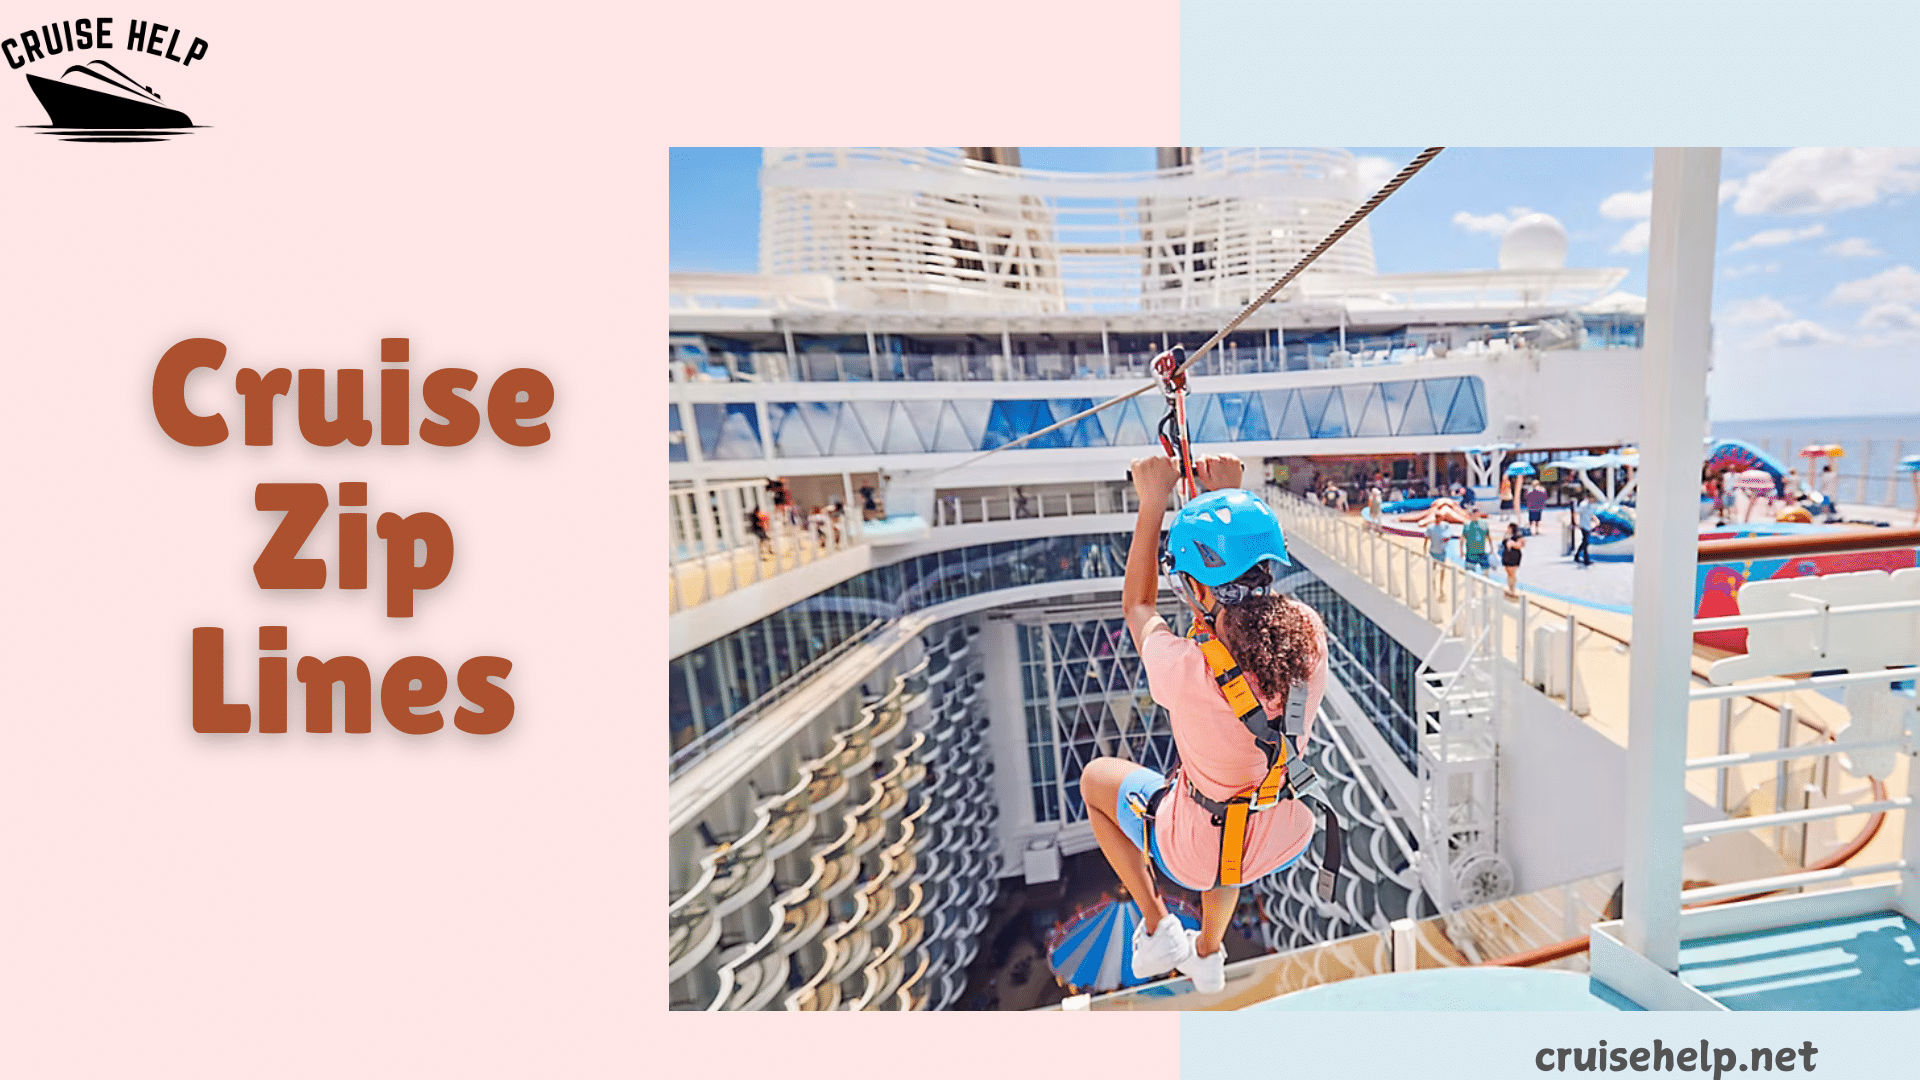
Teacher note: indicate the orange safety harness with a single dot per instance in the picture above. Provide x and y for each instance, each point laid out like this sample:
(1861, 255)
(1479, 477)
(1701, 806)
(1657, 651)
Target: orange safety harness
(1288, 776)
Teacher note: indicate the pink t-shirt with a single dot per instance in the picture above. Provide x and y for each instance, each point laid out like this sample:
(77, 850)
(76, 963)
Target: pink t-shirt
(1220, 756)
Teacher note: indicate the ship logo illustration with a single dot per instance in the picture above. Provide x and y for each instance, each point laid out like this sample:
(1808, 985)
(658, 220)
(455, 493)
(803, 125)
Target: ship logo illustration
(97, 102)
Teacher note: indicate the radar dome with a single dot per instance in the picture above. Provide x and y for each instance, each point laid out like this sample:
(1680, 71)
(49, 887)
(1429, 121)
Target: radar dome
(1534, 242)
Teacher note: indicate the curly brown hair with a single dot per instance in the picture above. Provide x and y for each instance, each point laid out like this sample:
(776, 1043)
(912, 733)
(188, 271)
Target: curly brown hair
(1272, 639)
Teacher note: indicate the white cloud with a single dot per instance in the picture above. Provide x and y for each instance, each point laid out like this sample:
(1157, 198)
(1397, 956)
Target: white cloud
(1800, 332)
(1628, 205)
(1853, 247)
(1899, 284)
(1728, 189)
(1634, 240)
(1374, 172)
(1759, 309)
(1776, 237)
(1819, 180)
(1899, 318)
(1494, 224)
(1751, 268)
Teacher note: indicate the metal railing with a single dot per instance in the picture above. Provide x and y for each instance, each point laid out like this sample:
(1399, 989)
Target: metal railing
(712, 548)
(1018, 504)
(713, 737)
(1800, 801)
(1441, 592)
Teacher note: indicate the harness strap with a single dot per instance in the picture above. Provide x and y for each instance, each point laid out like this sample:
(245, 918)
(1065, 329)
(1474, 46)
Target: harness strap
(1288, 775)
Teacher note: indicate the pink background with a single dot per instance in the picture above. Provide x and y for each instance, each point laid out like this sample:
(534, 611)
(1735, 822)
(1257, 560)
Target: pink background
(490, 183)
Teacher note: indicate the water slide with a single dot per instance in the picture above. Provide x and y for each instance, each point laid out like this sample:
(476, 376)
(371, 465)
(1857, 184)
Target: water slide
(1724, 454)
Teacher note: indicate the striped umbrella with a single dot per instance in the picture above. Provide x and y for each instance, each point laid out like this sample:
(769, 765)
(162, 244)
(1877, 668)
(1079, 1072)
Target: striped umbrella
(1093, 950)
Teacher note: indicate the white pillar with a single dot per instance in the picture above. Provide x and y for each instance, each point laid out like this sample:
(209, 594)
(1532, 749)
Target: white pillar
(1673, 386)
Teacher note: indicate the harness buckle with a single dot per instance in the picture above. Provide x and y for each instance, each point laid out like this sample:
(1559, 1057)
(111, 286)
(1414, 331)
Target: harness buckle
(1302, 780)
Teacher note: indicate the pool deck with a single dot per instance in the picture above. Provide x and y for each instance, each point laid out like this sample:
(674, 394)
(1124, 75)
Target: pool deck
(1866, 962)
(1599, 600)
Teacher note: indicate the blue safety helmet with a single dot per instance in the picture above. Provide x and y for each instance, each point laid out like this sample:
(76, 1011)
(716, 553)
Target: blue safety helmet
(1221, 535)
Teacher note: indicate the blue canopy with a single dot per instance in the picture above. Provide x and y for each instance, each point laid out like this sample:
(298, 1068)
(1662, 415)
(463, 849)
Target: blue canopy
(1595, 461)
(1910, 463)
(1094, 949)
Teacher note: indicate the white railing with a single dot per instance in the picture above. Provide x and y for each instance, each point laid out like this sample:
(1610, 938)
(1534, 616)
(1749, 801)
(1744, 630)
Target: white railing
(1542, 640)
(712, 548)
(1016, 504)
(1809, 798)
(1867, 475)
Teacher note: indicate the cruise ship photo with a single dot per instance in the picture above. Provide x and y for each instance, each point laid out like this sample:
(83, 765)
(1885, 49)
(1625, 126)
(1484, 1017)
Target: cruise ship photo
(1580, 458)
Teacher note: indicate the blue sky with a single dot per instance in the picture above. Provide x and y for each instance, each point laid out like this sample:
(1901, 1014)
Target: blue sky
(1817, 302)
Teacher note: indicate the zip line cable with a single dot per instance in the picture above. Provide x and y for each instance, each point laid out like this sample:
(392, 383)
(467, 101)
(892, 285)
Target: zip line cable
(1419, 162)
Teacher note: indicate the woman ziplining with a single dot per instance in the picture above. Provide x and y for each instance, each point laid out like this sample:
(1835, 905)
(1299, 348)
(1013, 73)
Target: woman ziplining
(1233, 812)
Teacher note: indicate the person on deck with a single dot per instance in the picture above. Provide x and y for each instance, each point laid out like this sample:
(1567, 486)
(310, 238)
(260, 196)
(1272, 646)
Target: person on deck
(1475, 543)
(1586, 517)
(1510, 546)
(1438, 537)
(1536, 501)
(1226, 562)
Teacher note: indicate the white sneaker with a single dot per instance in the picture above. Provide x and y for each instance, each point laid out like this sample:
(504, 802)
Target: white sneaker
(1209, 973)
(1161, 951)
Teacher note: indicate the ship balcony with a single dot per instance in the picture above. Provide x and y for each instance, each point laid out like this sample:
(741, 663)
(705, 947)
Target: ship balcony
(853, 951)
(755, 985)
(800, 924)
(916, 746)
(891, 778)
(867, 834)
(741, 873)
(825, 789)
(789, 824)
(714, 553)
(950, 790)
(966, 949)
(889, 721)
(912, 777)
(818, 995)
(905, 864)
(837, 873)
(692, 931)
(915, 690)
(938, 757)
(853, 754)
(893, 801)
(989, 511)
(881, 899)
(742, 968)
(882, 981)
(914, 992)
(928, 866)
(905, 935)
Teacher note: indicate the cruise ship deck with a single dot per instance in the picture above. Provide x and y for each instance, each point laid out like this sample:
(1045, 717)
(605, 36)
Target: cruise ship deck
(895, 638)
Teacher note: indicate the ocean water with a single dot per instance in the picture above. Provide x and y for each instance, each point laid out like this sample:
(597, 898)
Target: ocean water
(1873, 444)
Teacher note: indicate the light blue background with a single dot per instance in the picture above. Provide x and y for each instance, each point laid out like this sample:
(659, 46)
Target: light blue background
(1537, 73)
(1493, 1046)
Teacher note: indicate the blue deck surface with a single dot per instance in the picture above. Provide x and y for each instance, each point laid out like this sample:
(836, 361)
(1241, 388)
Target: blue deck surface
(1869, 962)
(1494, 989)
